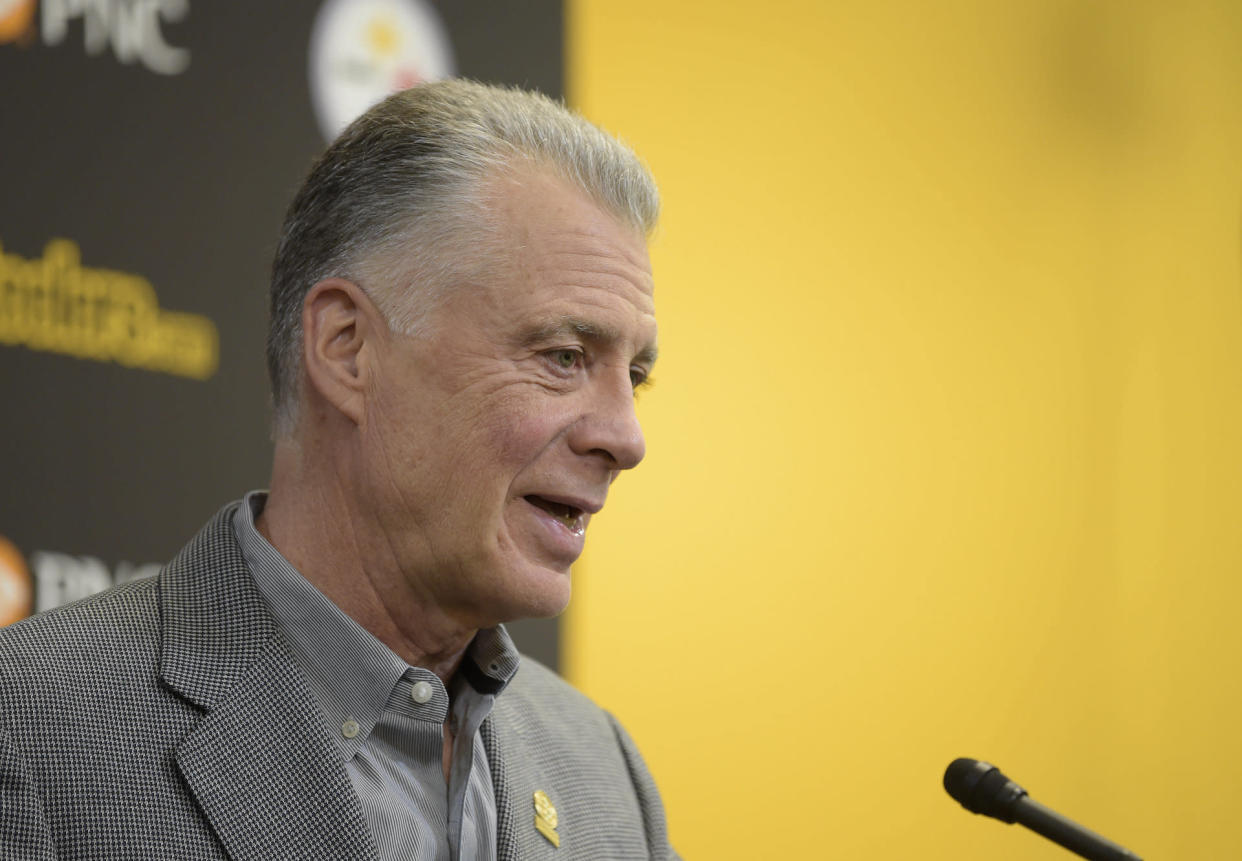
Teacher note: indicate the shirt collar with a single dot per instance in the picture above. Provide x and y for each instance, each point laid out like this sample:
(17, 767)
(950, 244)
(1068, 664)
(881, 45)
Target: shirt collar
(352, 674)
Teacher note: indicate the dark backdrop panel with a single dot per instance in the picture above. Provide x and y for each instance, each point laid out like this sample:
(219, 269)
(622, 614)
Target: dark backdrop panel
(182, 180)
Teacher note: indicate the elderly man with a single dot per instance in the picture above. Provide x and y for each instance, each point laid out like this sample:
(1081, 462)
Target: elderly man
(461, 311)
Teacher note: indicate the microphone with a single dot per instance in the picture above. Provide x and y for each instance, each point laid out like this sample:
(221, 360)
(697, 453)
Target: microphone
(982, 788)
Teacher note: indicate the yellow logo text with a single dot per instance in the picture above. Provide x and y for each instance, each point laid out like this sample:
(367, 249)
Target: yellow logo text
(56, 305)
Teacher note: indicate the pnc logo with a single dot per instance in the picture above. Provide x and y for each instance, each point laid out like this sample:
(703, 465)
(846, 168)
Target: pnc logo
(16, 589)
(130, 27)
(16, 18)
(53, 579)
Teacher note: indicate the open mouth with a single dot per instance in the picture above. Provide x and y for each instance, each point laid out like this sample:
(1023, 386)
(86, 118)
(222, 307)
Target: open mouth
(570, 516)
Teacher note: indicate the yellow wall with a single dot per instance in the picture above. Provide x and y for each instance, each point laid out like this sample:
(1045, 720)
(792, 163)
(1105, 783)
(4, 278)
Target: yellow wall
(944, 445)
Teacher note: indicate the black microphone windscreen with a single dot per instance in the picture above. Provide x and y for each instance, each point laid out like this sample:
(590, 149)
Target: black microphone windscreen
(982, 788)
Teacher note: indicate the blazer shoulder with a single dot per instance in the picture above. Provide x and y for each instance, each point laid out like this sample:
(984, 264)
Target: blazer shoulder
(539, 706)
(540, 701)
(98, 645)
(125, 615)
(536, 683)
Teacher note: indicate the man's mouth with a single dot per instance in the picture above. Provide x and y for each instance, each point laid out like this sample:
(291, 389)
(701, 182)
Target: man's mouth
(569, 515)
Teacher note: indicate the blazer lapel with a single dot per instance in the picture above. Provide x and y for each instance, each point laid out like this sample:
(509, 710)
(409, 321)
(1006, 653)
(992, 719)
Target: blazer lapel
(268, 777)
(260, 764)
(515, 777)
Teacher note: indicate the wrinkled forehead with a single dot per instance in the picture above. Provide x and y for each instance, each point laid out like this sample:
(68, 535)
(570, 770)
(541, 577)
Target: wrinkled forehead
(565, 272)
(533, 205)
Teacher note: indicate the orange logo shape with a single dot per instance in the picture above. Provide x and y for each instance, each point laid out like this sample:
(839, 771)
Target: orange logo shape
(15, 18)
(16, 592)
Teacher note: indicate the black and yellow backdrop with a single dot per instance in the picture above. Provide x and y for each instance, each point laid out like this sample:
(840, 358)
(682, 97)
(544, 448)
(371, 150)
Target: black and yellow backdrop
(148, 149)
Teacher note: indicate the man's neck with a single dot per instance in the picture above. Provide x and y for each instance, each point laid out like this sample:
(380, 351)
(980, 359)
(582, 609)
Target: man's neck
(312, 527)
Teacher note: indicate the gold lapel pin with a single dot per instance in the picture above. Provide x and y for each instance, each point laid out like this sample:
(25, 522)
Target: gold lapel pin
(545, 818)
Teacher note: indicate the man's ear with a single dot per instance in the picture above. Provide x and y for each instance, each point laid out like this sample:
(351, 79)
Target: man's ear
(340, 327)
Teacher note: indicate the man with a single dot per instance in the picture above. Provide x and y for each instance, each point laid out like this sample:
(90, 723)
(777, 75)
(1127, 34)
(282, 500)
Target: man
(461, 310)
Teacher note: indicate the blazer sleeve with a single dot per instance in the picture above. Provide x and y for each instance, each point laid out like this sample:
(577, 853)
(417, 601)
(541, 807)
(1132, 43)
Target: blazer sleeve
(24, 834)
(648, 796)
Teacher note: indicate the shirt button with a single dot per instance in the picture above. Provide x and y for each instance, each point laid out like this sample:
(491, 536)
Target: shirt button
(420, 692)
(350, 728)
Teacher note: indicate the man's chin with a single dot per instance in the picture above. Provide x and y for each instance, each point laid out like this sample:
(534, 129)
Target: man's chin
(552, 600)
(544, 594)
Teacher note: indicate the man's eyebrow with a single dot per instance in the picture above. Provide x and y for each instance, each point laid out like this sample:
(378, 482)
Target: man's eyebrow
(587, 330)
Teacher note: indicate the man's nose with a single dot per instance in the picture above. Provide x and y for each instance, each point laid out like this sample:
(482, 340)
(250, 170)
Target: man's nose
(610, 427)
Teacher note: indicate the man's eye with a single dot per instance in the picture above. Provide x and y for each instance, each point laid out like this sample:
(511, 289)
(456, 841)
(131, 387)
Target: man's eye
(639, 378)
(566, 359)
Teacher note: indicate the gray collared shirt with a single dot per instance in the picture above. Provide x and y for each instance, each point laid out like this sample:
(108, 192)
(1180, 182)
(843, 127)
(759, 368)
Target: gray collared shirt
(388, 717)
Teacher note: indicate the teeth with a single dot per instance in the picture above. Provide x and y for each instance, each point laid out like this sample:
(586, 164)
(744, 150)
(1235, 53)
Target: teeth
(572, 521)
(568, 515)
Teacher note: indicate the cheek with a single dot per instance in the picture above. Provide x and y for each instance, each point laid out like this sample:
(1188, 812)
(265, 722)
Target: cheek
(520, 433)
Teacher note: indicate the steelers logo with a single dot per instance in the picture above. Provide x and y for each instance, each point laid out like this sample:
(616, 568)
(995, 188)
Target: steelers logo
(16, 593)
(363, 50)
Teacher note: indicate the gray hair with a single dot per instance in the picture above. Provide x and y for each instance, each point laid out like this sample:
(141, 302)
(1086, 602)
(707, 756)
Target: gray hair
(396, 204)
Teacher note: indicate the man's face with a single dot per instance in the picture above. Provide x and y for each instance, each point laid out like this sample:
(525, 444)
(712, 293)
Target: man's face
(492, 436)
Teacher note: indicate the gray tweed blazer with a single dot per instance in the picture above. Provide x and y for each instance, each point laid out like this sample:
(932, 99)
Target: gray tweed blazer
(167, 718)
